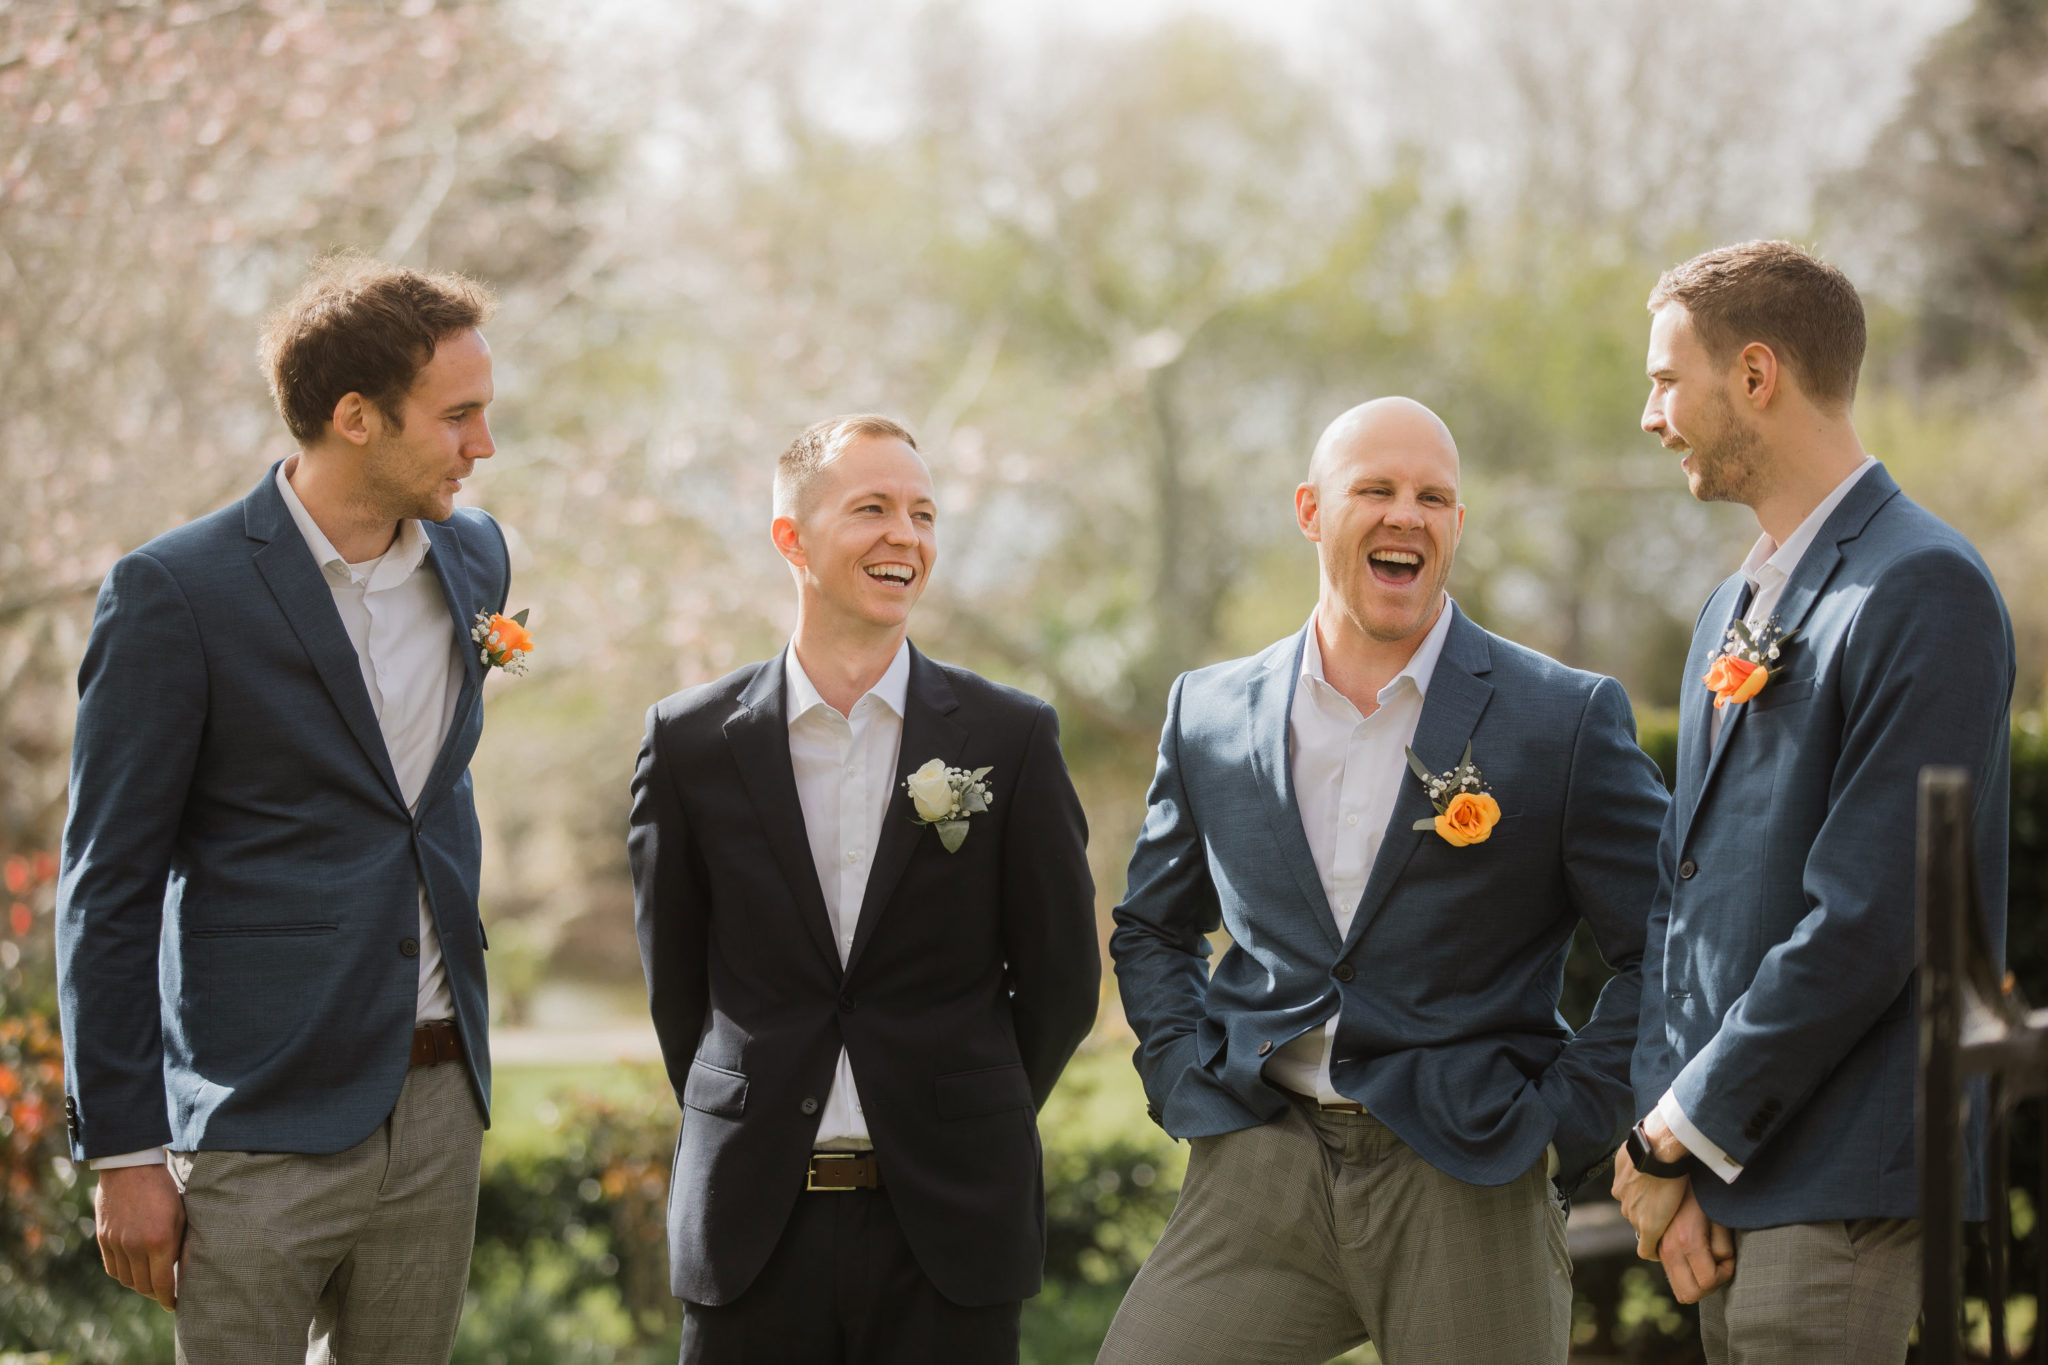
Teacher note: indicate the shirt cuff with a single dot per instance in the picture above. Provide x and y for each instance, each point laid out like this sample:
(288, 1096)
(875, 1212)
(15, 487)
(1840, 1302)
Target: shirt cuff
(152, 1157)
(1696, 1142)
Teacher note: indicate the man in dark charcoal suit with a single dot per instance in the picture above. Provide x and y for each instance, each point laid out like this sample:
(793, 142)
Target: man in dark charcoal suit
(867, 971)
(270, 965)
(1860, 640)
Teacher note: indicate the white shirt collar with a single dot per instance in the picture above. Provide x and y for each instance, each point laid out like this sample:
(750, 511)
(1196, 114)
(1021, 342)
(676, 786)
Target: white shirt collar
(392, 568)
(1420, 667)
(1781, 560)
(801, 695)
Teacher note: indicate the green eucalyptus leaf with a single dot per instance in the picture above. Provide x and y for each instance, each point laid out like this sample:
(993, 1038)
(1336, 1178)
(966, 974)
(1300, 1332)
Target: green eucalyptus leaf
(520, 619)
(980, 773)
(1423, 824)
(1419, 768)
(952, 833)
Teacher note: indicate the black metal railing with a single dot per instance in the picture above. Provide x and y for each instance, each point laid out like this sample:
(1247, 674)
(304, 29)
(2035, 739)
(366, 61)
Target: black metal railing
(1974, 1026)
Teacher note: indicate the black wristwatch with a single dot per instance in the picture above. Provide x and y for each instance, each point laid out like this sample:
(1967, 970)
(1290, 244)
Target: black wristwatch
(1639, 1154)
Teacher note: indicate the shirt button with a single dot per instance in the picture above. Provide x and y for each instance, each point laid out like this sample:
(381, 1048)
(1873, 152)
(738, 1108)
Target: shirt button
(1351, 818)
(853, 855)
(408, 947)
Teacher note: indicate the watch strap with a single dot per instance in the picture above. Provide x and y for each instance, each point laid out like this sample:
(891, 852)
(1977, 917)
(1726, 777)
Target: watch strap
(1645, 1160)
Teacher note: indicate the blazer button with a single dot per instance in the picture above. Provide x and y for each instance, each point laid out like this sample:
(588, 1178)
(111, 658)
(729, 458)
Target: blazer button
(1686, 869)
(846, 1003)
(809, 1106)
(1342, 971)
(408, 947)
(1265, 1047)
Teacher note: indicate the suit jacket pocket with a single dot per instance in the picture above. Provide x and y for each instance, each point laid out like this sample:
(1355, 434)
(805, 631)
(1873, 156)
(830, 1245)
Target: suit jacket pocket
(1781, 692)
(258, 930)
(991, 1090)
(714, 1090)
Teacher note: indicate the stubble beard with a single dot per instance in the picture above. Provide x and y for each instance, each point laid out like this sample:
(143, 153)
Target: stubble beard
(390, 484)
(1728, 465)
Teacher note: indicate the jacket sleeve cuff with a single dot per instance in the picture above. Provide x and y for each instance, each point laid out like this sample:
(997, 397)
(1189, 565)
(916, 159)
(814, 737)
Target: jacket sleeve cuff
(1696, 1142)
(153, 1156)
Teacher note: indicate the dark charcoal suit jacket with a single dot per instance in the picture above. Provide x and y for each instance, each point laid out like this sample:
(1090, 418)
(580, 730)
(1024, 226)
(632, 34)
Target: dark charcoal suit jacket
(972, 977)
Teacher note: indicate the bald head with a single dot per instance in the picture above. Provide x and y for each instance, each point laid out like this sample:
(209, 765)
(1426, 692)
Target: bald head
(1381, 504)
(1383, 424)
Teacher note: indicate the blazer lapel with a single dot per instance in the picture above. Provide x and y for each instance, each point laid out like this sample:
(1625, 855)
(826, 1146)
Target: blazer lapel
(1809, 577)
(452, 568)
(1269, 705)
(302, 595)
(1458, 695)
(1699, 755)
(928, 733)
(759, 735)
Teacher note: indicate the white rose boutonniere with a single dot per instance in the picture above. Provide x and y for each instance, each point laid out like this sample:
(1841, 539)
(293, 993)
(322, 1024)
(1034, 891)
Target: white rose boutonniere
(944, 797)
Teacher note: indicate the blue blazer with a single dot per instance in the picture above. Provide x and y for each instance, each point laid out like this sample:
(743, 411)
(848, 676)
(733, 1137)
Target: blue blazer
(1778, 981)
(237, 916)
(1446, 987)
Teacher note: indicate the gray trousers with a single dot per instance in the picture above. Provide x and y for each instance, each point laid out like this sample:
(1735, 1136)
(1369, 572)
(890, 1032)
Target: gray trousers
(1297, 1240)
(1817, 1294)
(361, 1256)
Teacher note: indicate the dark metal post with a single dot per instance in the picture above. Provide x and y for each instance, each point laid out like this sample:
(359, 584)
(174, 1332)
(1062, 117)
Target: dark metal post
(1943, 901)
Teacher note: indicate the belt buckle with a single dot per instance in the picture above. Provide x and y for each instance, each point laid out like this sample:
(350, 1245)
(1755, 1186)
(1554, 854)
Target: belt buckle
(811, 1171)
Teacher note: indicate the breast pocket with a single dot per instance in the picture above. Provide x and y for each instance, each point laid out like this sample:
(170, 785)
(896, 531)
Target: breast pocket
(1780, 693)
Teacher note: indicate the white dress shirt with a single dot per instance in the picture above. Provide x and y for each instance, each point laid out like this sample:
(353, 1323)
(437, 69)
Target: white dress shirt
(845, 768)
(1767, 568)
(1348, 770)
(397, 618)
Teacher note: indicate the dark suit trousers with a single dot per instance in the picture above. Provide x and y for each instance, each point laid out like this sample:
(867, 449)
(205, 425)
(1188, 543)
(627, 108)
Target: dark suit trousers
(842, 1288)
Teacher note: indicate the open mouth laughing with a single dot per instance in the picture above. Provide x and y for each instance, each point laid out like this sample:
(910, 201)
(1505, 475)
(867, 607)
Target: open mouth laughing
(1395, 568)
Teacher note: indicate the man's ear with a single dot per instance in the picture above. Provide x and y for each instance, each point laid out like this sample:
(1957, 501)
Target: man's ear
(353, 419)
(788, 541)
(1758, 369)
(1308, 509)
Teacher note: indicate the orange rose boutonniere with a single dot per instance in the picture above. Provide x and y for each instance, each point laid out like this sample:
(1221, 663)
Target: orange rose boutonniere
(1747, 661)
(502, 641)
(1465, 809)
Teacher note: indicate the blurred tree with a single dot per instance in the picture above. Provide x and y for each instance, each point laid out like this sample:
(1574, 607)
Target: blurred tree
(1958, 183)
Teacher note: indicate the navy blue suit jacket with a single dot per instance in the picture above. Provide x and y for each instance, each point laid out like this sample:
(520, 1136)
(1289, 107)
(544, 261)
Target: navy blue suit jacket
(1446, 987)
(1778, 980)
(972, 977)
(238, 912)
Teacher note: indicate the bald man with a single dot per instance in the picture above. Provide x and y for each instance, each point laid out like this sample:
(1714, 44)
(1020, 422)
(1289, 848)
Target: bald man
(1401, 819)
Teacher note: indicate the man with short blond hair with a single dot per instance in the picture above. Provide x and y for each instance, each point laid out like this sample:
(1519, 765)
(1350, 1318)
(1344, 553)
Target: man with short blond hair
(270, 966)
(862, 892)
(1773, 1169)
(1401, 819)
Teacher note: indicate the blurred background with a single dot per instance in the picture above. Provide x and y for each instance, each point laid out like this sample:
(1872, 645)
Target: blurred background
(1116, 262)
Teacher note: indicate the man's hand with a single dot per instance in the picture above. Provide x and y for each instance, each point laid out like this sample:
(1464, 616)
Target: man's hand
(1648, 1202)
(140, 1219)
(1698, 1254)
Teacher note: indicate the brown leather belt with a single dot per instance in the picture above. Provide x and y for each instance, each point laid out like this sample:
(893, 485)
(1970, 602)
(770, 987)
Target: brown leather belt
(1340, 1107)
(435, 1042)
(844, 1171)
